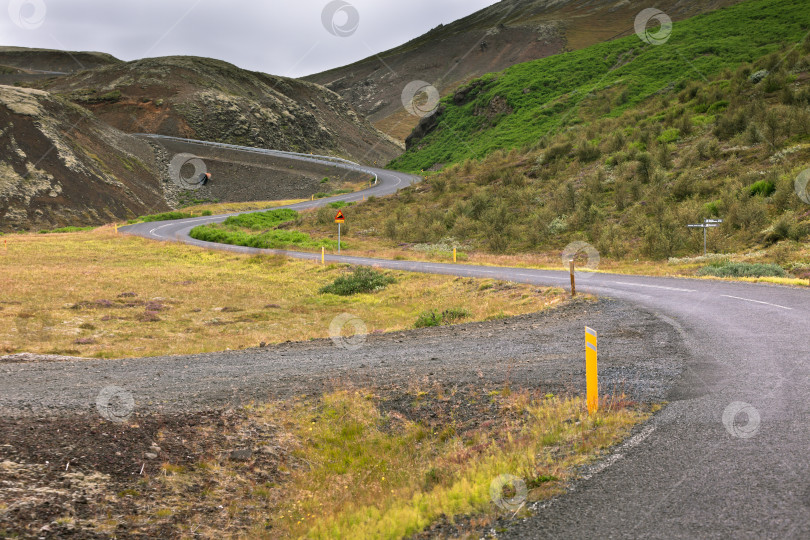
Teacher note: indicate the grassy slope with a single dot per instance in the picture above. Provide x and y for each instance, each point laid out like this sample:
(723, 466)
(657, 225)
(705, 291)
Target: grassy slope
(698, 47)
(630, 176)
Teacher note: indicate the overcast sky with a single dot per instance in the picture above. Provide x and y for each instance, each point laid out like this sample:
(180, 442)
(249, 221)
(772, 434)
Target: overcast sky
(289, 37)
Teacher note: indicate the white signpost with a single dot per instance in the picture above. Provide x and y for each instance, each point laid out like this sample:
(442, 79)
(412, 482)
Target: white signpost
(707, 223)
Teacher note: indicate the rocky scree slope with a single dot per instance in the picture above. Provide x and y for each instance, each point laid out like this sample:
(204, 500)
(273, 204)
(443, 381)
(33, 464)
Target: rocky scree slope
(60, 166)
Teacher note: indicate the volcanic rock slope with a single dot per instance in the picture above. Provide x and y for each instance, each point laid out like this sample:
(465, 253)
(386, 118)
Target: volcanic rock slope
(514, 31)
(60, 166)
(212, 100)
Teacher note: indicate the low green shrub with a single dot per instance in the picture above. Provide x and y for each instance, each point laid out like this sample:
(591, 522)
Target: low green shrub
(340, 204)
(669, 136)
(428, 319)
(739, 269)
(362, 280)
(436, 318)
(763, 188)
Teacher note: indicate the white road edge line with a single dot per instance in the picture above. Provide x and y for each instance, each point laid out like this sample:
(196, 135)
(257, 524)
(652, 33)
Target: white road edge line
(618, 454)
(756, 301)
(653, 286)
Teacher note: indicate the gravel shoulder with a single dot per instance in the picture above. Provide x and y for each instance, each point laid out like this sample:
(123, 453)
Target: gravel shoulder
(62, 455)
(640, 355)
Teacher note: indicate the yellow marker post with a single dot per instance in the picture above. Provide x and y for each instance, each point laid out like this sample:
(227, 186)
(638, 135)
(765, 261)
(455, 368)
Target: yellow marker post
(454, 255)
(591, 370)
(323, 255)
(116, 228)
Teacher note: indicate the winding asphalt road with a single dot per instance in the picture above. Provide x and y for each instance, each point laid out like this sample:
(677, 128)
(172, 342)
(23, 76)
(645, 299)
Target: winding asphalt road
(726, 458)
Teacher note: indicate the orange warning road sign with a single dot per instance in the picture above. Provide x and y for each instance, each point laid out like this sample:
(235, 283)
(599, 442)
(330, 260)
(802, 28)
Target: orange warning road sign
(340, 218)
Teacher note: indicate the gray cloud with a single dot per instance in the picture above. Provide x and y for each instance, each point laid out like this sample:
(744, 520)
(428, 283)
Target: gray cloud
(280, 37)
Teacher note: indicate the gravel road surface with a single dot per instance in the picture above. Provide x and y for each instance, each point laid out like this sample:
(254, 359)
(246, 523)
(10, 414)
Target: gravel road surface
(641, 356)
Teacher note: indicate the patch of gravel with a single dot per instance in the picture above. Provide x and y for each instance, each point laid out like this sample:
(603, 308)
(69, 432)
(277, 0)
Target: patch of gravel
(639, 354)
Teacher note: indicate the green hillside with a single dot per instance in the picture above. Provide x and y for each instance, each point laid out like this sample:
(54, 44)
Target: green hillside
(730, 147)
(518, 107)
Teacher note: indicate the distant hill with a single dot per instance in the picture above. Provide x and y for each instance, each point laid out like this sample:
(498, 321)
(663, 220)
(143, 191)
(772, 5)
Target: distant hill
(202, 98)
(53, 60)
(515, 31)
(19, 65)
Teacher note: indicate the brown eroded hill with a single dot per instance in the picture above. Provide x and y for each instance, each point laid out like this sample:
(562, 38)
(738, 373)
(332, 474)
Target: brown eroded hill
(202, 98)
(60, 166)
(514, 31)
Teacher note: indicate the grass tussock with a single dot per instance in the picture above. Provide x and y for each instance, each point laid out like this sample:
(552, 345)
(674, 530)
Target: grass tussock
(439, 318)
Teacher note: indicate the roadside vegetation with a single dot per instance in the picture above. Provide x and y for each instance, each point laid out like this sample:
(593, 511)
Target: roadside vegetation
(129, 297)
(353, 463)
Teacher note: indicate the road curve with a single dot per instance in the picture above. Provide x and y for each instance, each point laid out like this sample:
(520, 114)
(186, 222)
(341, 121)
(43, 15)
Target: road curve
(728, 457)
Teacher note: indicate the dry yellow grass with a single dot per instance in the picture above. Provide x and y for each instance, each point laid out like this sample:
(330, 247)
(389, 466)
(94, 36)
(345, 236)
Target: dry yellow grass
(73, 294)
